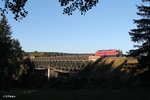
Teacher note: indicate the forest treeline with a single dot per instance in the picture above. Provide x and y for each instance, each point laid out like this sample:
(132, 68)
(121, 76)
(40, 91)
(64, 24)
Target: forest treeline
(48, 54)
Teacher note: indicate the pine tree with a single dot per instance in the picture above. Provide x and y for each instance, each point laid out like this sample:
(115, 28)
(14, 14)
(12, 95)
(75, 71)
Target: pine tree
(141, 35)
(10, 53)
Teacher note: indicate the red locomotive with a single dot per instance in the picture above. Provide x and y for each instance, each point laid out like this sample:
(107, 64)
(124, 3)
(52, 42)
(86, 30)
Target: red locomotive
(111, 52)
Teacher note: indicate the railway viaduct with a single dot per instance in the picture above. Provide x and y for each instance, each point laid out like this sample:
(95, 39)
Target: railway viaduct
(56, 65)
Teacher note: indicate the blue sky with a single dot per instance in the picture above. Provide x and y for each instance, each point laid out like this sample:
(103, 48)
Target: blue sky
(106, 26)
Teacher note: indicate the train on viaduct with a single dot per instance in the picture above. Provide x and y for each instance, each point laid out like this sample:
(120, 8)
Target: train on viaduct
(56, 65)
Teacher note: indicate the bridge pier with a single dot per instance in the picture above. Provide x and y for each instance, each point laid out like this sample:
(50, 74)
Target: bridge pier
(51, 73)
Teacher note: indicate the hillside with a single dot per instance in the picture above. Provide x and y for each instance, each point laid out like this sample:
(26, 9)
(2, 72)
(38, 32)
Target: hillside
(109, 71)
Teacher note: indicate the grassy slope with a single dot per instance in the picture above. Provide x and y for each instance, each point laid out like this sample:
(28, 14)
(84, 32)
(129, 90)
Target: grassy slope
(106, 72)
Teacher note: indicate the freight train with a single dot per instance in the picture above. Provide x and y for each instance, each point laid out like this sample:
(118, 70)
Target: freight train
(110, 52)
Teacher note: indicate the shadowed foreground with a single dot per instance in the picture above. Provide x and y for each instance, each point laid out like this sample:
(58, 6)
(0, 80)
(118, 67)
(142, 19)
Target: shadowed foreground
(141, 93)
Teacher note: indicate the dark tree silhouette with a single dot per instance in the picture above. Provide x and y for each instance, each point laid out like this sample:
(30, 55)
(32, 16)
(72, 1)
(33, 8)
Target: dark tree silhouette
(82, 5)
(10, 53)
(15, 6)
(141, 35)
